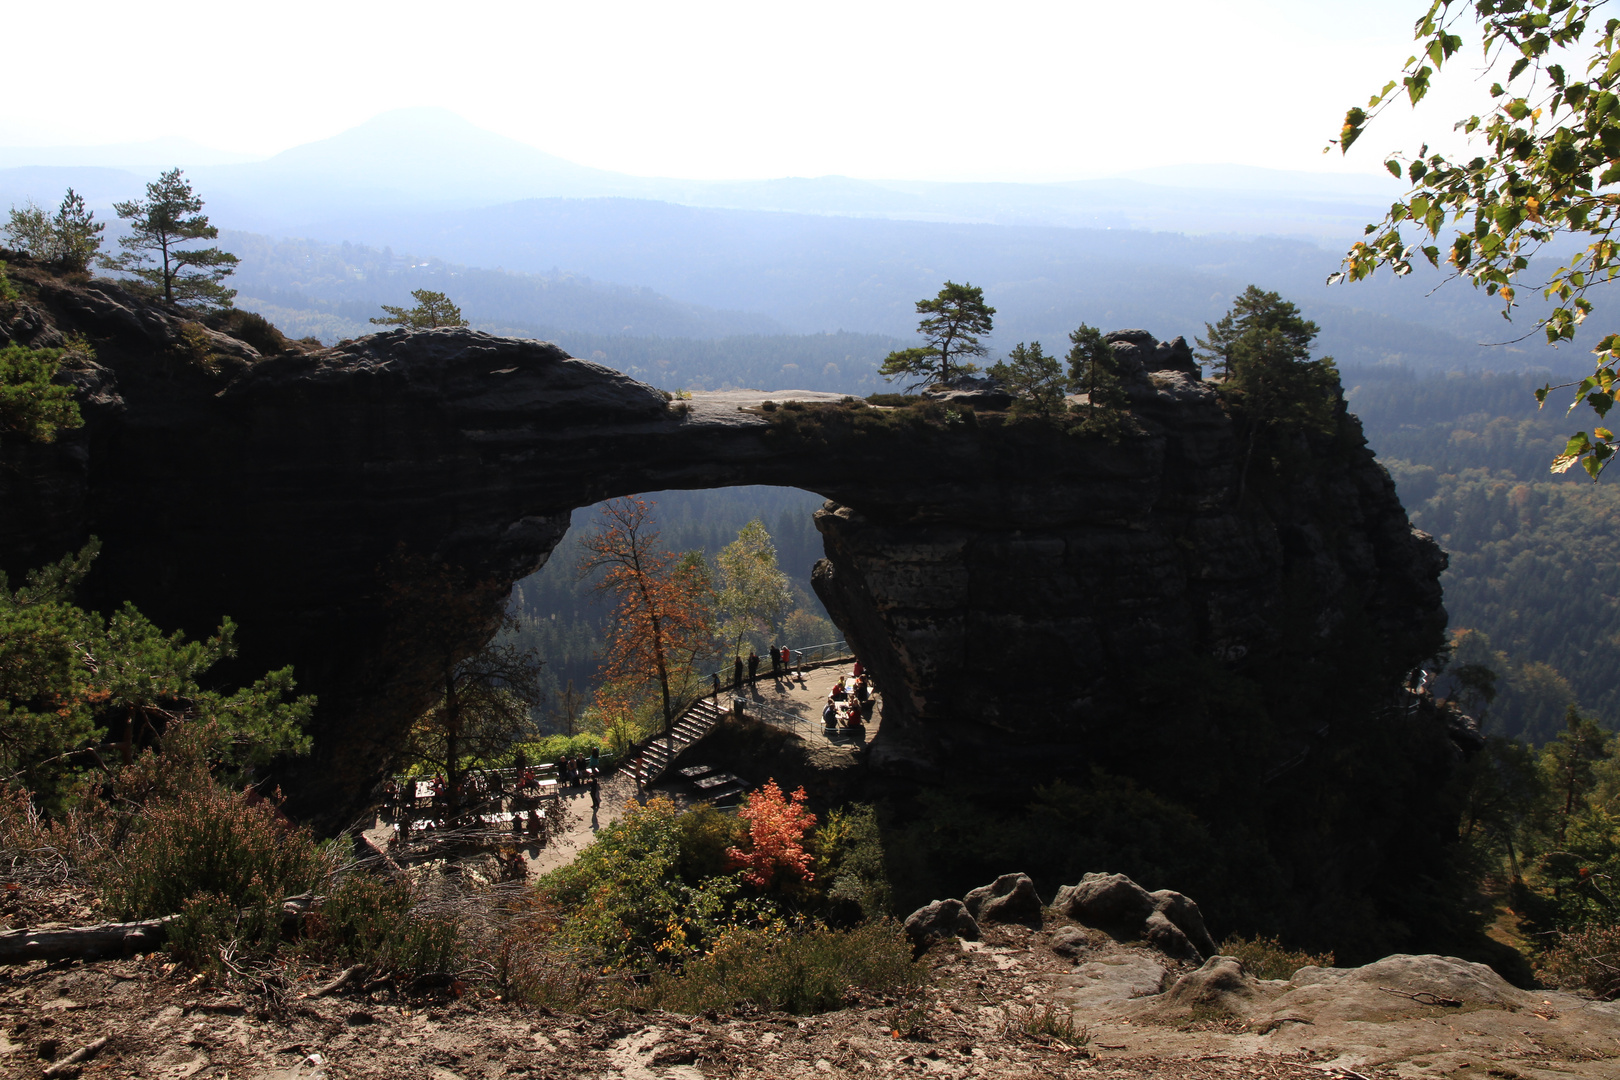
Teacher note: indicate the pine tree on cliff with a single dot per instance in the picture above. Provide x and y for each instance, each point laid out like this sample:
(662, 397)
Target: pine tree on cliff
(432, 309)
(1034, 379)
(169, 217)
(1261, 349)
(954, 320)
(1094, 372)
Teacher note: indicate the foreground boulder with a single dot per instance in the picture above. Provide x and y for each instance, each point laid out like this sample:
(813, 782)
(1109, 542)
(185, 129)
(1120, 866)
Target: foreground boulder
(1011, 898)
(940, 920)
(1221, 985)
(1113, 903)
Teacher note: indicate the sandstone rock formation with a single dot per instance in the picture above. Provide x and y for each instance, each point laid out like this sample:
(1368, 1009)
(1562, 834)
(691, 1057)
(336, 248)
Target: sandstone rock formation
(940, 920)
(1004, 582)
(1113, 903)
(1011, 898)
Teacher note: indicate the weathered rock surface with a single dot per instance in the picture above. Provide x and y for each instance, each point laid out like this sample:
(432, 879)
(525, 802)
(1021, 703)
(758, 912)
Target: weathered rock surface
(940, 920)
(283, 490)
(1115, 904)
(1011, 898)
(1221, 985)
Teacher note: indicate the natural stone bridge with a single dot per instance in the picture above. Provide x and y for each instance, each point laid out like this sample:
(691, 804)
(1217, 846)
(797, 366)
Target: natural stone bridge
(1004, 581)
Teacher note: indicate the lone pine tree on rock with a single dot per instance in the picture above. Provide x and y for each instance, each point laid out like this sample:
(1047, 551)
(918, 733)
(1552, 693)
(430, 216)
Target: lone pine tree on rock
(170, 216)
(955, 319)
(432, 309)
(1094, 372)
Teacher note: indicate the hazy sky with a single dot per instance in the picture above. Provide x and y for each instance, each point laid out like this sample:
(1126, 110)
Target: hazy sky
(875, 88)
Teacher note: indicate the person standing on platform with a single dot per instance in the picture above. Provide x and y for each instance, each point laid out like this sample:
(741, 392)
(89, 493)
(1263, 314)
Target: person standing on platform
(736, 673)
(753, 665)
(776, 663)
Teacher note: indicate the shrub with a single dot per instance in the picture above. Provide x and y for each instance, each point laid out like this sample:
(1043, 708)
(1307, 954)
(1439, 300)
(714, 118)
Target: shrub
(366, 920)
(553, 747)
(893, 401)
(800, 973)
(849, 863)
(32, 404)
(1050, 1022)
(8, 292)
(195, 347)
(248, 326)
(627, 905)
(1587, 958)
(1267, 958)
(774, 848)
(703, 835)
(210, 843)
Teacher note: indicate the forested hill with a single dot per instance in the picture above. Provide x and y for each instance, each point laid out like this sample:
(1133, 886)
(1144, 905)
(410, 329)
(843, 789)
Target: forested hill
(1534, 569)
(331, 292)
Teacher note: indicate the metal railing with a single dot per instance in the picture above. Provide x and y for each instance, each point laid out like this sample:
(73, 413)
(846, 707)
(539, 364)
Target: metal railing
(797, 658)
(774, 716)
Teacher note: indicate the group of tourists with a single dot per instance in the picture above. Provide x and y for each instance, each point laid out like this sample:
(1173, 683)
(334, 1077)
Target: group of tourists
(850, 704)
(514, 794)
(781, 664)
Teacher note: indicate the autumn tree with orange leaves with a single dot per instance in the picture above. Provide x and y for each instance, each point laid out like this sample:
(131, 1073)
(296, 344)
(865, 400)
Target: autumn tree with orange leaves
(662, 624)
(777, 825)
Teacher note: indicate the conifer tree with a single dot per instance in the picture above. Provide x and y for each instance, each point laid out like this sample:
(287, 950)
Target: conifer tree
(1034, 379)
(955, 319)
(70, 238)
(169, 217)
(1094, 371)
(432, 309)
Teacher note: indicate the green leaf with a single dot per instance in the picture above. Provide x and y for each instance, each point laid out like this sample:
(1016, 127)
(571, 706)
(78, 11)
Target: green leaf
(1394, 168)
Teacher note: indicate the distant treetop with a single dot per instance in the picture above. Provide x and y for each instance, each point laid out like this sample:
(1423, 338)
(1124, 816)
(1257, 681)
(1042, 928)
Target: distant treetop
(432, 309)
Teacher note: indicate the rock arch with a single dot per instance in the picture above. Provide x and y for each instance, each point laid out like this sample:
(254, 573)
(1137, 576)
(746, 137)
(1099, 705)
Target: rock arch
(1003, 580)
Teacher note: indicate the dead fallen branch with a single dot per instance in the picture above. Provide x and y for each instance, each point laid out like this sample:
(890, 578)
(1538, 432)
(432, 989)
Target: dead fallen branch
(113, 939)
(84, 942)
(1423, 997)
(84, 1053)
(338, 983)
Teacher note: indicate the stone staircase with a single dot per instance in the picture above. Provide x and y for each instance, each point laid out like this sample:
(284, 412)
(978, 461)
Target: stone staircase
(649, 764)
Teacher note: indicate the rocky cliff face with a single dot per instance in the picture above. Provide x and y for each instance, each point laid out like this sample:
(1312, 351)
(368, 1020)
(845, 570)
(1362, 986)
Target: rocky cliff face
(1016, 609)
(1005, 581)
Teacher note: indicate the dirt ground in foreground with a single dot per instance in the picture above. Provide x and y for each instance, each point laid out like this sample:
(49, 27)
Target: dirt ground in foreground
(975, 1022)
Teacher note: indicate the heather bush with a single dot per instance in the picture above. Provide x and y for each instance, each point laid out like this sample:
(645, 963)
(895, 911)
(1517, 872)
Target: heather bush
(377, 922)
(248, 326)
(772, 969)
(214, 933)
(1268, 958)
(1586, 958)
(209, 843)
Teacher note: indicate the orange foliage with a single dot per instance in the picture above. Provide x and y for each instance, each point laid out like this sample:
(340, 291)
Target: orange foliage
(662, 622)
(777, 826)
